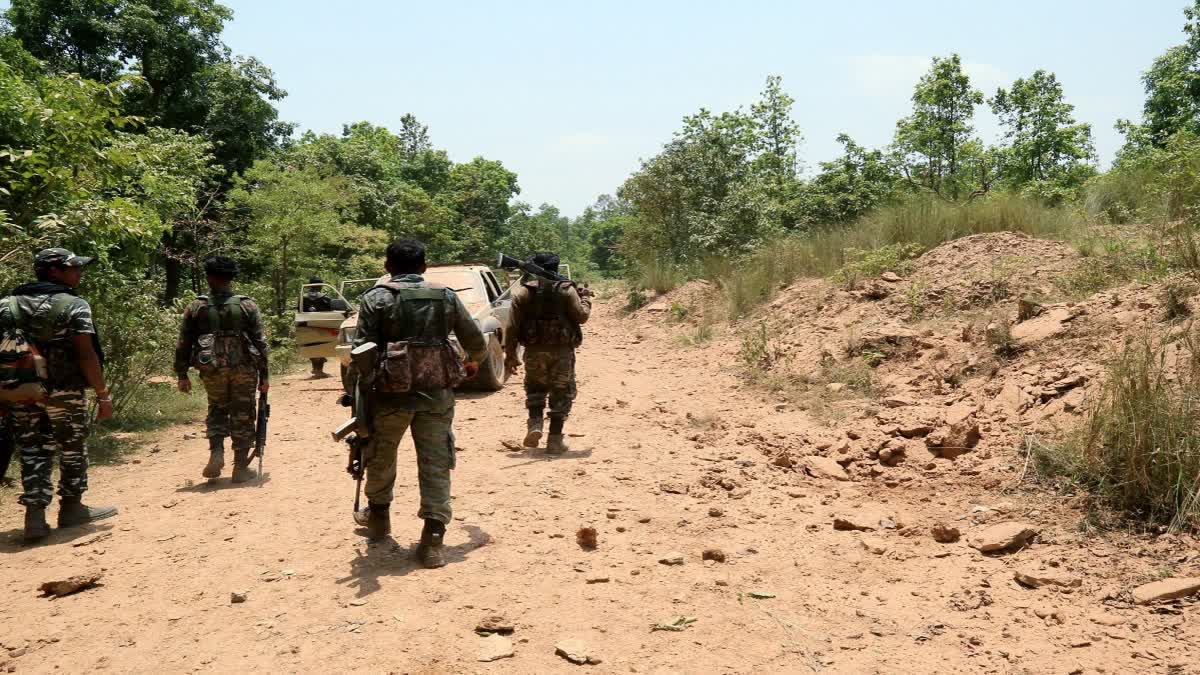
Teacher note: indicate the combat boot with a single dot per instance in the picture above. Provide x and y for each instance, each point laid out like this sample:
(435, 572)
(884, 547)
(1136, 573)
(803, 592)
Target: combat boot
(241, 466)
(36, 527)
(72, 512)
(555, 445)
(431, 552)
(376, 518)
(533, 432)
(216, 458)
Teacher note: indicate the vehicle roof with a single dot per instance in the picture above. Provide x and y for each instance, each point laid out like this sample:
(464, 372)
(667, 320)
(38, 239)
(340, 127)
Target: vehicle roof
(468, 268)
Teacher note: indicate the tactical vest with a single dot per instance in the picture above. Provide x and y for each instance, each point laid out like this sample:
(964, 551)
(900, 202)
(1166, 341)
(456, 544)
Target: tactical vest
(63, 371)
(222, 341)
(547, 323)
(418, 354)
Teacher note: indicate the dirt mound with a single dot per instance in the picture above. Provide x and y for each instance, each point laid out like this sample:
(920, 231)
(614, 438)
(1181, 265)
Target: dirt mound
(983, 269)
(954, 363)
(691, 302)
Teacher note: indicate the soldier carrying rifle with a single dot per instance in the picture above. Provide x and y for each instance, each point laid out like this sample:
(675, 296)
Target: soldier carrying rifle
(409, 322)
(222, 336)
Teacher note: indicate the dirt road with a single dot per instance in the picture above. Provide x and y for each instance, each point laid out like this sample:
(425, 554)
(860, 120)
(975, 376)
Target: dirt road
(667, 460)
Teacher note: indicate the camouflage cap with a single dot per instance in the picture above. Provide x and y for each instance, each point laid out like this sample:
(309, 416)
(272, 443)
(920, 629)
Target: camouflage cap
(60, 257)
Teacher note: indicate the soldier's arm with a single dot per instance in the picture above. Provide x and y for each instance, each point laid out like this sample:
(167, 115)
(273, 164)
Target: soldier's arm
(183, 346)
(468, 333)
(579, 308)
(368, 322)
(254, 331)
(519, 295)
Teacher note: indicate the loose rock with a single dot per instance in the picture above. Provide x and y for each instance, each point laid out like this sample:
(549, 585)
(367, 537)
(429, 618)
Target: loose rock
(587, 538)
(713, 554)
(823, 467)
(494, 623)
(945, 534)
(672, 558)
(1167, 589)
(575, 651)
(1009, 537)
(237, 597)
(75, 584)
(1039, 579)
(494, 647)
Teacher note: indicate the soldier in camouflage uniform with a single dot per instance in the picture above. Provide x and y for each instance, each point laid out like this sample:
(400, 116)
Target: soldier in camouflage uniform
(222, 336)
(546, 320)
(408, 308)
(60, 324)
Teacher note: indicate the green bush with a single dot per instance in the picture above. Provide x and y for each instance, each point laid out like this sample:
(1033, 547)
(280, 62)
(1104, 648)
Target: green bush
(868, 264)
(1139, 449)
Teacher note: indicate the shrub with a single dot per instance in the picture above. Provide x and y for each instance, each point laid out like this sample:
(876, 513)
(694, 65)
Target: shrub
(872, 263)
(635, 299)
(1139, 449)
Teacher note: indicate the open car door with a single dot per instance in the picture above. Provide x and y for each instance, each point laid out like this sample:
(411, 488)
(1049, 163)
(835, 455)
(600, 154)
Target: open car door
(317, 331)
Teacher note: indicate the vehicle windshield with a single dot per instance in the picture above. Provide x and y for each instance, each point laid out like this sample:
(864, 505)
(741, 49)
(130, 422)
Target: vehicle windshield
(352, 290)
(465, 283)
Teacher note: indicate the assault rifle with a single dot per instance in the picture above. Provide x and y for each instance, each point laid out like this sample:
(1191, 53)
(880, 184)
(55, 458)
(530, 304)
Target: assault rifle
(507, 262)
(356, 431)
(260, 430)
(7, 445)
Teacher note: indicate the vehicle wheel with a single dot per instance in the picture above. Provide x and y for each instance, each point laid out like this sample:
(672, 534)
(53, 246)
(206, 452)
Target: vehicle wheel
(491, 371)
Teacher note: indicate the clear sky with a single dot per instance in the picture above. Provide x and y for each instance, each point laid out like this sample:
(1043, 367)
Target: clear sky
(571, 94)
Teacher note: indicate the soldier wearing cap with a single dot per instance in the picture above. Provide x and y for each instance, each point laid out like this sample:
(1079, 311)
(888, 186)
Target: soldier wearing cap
(222, 337)
(60, 325)
(546, 319)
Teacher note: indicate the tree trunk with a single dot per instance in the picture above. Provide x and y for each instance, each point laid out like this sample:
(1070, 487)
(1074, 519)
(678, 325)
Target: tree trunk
(171, 267)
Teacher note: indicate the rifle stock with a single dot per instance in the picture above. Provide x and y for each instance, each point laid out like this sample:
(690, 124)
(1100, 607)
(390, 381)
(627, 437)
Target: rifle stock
(260, 429)
(356, 431)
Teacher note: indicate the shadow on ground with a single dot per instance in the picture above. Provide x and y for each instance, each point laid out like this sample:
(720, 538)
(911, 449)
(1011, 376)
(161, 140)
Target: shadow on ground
(387, 558)
(217, 484)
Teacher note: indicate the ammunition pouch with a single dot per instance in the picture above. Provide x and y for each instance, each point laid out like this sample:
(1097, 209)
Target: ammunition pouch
(411, 366)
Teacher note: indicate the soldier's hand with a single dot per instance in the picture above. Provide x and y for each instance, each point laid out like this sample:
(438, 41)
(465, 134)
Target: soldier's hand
(585, 292)
(511, 366)
(106, 410)
(185, 385)
(264, 386)
(472, 368)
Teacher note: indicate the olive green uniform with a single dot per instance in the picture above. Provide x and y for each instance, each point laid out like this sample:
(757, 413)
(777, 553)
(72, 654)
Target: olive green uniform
(232, 375)
(546, 319)
(382, 319)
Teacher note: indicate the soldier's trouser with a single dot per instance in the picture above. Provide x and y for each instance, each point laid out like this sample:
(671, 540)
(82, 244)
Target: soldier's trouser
(434, 439)
(63, 423)
(231, 404)
(550, 374)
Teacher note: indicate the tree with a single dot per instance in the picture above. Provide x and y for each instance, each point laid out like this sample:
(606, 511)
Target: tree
(777, 135)
(1172, 94)
(850, 186)
(479, 191)
(934, 142)
(79, 36)
(294, 216)
(1045, 148)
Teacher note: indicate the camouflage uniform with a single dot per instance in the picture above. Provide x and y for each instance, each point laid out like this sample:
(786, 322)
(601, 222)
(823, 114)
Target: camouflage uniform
(231, 385)
(546, 319)
(63, 422)
(430, 414)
